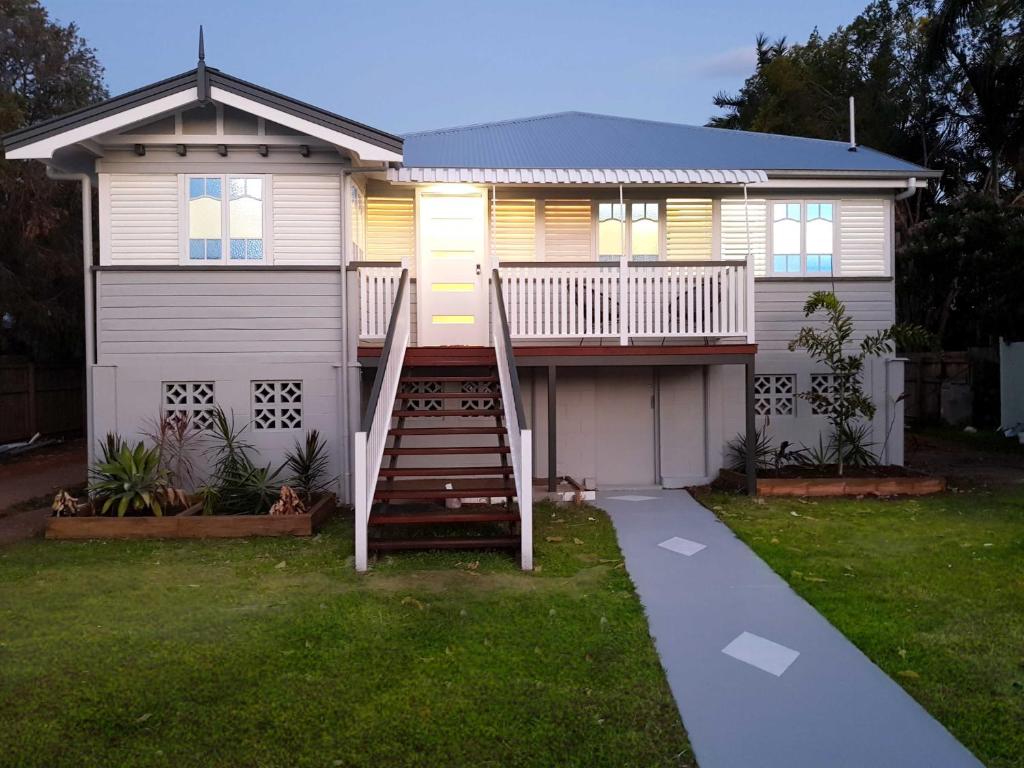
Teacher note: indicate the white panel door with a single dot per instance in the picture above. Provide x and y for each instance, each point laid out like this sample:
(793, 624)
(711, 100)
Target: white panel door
(451, 285)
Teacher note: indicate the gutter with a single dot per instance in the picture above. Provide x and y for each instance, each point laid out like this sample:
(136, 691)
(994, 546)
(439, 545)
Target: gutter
(90, 311)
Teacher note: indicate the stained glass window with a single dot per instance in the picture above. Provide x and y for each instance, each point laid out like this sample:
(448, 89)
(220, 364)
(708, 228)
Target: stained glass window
(643, 235)
(245, 218)
(609, 230)
(240, 238)
(802, 238)
(204, 218)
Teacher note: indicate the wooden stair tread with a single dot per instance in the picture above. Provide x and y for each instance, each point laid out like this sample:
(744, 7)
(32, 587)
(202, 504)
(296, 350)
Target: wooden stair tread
(448, 396)
(443, 517)
(445, 450)
(433, 494)
(448, 431)
(391, 545)
(444, 472)
(412, 379)
(451, 411)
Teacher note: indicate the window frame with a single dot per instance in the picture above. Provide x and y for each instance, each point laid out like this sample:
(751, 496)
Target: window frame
(184, 182)
(803, 202)
(628, 235)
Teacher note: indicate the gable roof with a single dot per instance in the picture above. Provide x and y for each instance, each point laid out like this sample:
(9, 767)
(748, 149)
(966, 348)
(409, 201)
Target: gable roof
(190, 81)
(584, 140)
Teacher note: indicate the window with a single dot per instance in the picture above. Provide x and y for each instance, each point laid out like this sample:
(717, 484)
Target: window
(802, 238)
(642, 231)
(775, 395)
(823, 389)
(191, 399)
(225, 218)
(276, 405)
(358, 222)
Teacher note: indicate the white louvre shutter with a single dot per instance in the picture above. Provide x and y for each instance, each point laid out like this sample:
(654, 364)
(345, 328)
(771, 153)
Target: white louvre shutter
(688, 229)
(862, 238)
(390, 229)
(515, 225)
(735, 219)
(307, 219)
(568, 230)
(143, 219)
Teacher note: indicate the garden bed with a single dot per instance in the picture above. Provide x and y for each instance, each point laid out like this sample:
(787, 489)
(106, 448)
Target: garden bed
(873, 481)
(190, 524)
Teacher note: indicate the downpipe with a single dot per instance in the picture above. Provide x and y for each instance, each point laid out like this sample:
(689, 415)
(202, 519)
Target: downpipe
(90, 309)
(909, 191)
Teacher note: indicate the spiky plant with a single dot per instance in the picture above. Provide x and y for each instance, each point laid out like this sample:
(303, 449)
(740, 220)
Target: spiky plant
(308, 464)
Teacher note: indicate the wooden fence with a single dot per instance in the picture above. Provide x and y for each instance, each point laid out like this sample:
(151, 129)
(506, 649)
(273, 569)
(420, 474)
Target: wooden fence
(34, 398)
(957, 388)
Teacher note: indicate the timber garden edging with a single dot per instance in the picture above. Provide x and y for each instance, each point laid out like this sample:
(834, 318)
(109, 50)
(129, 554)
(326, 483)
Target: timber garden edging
(914, 485)
(189, 524)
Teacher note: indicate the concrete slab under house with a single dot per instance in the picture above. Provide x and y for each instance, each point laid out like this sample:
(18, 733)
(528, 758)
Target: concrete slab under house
(575, 300)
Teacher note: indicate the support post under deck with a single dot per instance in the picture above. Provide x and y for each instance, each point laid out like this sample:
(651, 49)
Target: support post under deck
(552, 429)
(751, 429)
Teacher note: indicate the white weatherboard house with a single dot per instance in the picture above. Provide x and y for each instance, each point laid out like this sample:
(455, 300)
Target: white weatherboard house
(465, 310)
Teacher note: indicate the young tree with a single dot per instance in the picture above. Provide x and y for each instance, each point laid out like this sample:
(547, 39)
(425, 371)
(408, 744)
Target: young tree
(46, 69)
(831, 347)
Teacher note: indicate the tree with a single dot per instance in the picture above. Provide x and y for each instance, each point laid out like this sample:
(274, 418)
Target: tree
(46, 69)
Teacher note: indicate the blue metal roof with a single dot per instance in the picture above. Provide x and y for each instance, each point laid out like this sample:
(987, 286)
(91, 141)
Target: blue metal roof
(585, 140)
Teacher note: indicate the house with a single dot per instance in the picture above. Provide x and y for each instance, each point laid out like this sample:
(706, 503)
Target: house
(464, 310)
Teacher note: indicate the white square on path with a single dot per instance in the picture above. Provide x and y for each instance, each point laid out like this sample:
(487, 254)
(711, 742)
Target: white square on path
(633, 498)
(761, 653)
(682, 546)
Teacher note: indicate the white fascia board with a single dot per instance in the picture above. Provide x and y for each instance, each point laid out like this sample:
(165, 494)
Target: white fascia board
(44, 149)
(841, 182)
(364, 149)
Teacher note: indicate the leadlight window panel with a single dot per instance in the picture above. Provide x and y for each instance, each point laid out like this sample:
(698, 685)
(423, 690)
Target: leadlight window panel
(803, 236)
(610, 226)
(644, 239)
(245, 218)
(786, 238)
(205, 195)
(775, 394)
(819, 238)
(276, 405)
(823, 385)
(194, 400)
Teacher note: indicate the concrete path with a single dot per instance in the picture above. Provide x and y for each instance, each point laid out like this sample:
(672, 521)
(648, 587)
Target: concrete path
(760, 677)
(37, 475)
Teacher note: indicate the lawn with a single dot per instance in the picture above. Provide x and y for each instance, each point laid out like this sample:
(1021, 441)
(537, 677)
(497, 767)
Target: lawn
(275, 653)
(931, 589)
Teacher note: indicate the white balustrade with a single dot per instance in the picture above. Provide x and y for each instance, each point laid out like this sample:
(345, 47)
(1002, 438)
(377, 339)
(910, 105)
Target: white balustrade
(378, 287)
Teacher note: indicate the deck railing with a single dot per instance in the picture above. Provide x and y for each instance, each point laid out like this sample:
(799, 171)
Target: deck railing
(659, 299)
(378, 287)
(519, 436)
(369, 442)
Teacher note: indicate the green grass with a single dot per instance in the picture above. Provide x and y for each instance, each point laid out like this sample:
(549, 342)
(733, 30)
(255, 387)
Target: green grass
(931, 589)
(275, 653)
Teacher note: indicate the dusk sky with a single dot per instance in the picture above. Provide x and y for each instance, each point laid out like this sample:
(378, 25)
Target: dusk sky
(406, 66)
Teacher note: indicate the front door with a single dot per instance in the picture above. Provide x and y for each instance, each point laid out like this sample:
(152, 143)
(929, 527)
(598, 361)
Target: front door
(451, 284)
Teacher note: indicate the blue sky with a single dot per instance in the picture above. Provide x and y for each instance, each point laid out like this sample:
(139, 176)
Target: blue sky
(404, 66)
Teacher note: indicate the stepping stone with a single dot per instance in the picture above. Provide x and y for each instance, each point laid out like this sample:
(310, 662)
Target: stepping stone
(682, 546)
(761, 653)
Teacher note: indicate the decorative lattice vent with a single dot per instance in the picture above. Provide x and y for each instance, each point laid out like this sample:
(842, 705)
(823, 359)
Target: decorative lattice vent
(423, 388)
(190, 399)
(276, 405)
(478, 404)
(823, 385)
(775, 394)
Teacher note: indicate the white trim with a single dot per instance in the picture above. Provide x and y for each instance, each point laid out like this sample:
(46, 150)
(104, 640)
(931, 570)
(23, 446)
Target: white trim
(581, 176)
(44, 149)
(363, 149)
(103, 192)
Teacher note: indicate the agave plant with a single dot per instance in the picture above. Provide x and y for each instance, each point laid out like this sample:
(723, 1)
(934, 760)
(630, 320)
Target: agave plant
(308, 464)
(133, 479)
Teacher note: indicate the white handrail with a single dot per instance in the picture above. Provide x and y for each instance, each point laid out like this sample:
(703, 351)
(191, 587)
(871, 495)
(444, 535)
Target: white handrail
(378, 287)
(604, 301)
(368, 452)
(520, 439)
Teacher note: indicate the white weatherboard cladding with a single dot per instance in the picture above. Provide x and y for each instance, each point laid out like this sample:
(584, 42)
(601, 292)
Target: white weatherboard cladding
(306, 219)
(744, 230)
(139, 219)
(864, 236)
(280, 316)
(779, 308)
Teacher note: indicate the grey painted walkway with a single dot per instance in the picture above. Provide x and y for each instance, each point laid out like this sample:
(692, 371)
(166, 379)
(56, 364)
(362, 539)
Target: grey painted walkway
(828, 707)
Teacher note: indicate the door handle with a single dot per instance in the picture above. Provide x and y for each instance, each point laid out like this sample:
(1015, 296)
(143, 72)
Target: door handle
(478, 269)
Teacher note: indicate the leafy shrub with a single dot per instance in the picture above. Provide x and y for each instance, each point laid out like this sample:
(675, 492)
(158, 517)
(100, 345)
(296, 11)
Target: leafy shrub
(308, 463)
(175, 436)
(237, 485)
(133, 479)
(764, 454)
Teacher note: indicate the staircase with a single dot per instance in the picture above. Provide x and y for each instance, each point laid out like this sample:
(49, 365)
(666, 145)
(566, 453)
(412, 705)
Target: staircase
(446, 481)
